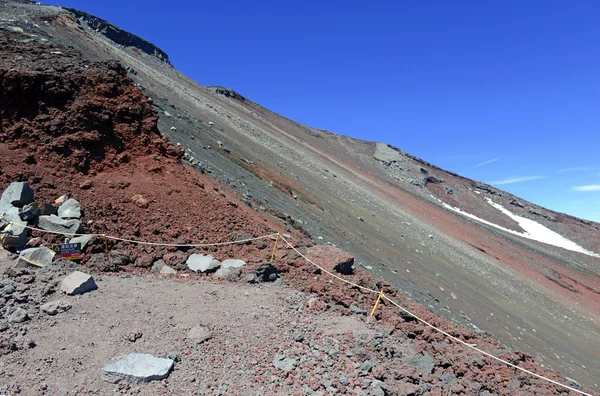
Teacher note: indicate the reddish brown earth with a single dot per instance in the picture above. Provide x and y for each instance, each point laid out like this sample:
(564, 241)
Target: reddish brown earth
(88, 132)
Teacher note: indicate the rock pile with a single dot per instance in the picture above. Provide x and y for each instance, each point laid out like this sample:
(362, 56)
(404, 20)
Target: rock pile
(18, 210)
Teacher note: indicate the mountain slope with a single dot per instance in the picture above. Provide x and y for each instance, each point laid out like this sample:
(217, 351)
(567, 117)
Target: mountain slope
(389, 209)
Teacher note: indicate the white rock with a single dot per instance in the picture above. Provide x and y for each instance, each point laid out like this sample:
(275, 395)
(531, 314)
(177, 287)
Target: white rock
(69, 209)
(78, 283)
(39, 256)
(229, 265)
(202, 263)
(137, 368)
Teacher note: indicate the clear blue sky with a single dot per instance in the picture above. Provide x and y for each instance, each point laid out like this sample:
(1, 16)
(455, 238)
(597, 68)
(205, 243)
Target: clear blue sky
(456, 83)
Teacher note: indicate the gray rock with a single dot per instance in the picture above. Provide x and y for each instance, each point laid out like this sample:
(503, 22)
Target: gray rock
(19, 315)
(356, 310)
(202, 263)
(157, 265)
(83, 240)
(386, 154)
(56, 224)
(55, 307)
(137, 368)
(283, 363)
(78, 283)
(228, 266)
(14, 234)
(166, 270)
(175, 356)
(18, 194)
(69, 209)
(447, 378)
(266, 272)
(30, 211)
(343, 380)
(298, 336)
(39, 257)
(7, 288)
(199, 334)
(366, 366)
(423, 363)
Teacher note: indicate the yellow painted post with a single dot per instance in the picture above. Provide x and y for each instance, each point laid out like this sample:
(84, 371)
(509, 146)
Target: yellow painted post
(275, 248)
(376, 303)
(106, 246)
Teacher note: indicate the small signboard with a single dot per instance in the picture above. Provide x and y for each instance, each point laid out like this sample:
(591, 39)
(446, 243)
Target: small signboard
(70, 251)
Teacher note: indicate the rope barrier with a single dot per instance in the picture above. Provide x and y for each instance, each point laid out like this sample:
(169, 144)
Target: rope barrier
(142, 242)
(472, 346)
(278, 236)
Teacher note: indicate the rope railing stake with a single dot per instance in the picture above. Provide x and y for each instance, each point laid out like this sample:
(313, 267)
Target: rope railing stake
(376, 303)
(275, 247)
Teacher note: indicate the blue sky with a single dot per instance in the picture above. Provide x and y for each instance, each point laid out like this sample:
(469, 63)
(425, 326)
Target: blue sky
(515, 84)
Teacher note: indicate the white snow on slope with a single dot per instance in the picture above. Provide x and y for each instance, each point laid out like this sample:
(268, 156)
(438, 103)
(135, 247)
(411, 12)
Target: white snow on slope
(533, 230)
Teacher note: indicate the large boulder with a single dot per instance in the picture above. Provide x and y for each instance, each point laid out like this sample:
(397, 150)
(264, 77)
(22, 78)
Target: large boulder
(56, 224)
(202, 263)
(18, 194)
(228, 266)
(331, 258)
(137, 368)
(70, 209)
(78, 283)
(39, 256)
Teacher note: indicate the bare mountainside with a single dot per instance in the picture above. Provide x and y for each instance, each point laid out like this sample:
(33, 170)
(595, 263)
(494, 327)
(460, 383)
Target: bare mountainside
(468, 251)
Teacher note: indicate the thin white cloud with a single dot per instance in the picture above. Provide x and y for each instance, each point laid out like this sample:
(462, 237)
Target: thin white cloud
(593, 187)
(516, 180)
(580, 169)
(486, 162)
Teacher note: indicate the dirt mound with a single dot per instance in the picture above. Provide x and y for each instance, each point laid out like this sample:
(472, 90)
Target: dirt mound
(82, 116)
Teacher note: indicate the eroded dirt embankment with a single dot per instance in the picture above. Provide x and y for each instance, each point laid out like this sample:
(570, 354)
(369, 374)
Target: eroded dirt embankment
(74, 127)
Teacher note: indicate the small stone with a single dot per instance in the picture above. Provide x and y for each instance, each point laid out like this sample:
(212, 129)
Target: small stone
(78, 283)
(140, 201)
(175, 356)
(357, 310)
(166, 270)
(298, 336)
(133, 336)
(55, 307)
(157, 265)
(86, 185)
(199, 334)
(19, 315)
(137, 368)
(283, 363)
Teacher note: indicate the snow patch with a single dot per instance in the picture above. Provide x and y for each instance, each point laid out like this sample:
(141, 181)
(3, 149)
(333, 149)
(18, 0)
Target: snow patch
(533, 230)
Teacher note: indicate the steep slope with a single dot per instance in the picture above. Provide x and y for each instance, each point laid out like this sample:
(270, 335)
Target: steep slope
(382, 205)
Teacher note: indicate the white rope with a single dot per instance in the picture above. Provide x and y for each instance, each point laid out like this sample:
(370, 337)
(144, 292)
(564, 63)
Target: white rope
(190, 245)
(327, 272)
(438, 329)
(142, 242)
